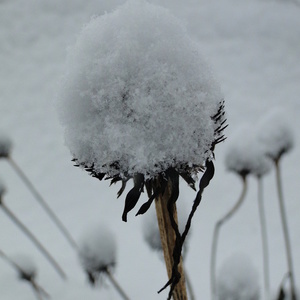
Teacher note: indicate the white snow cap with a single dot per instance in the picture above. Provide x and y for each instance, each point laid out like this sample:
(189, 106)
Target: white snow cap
(136, 91)
(245, 154)
(275, 133)
(26, 264)
(238, 280)
(5, 145)
(97, 249)
(150, 225)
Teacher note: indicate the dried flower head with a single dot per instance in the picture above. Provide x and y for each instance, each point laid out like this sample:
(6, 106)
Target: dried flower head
(5, 146)
(245, 154)
(97, 252)
(135, 105)
(275, 133)
(139, 102)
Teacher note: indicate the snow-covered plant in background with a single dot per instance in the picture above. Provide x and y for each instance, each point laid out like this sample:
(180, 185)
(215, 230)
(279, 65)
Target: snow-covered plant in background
(244, 156)
(138, 102)
(238, 279)
(28, 233)
(98, 255)
(5, 146)
(276, 135)
(27, 271)
(5, 152)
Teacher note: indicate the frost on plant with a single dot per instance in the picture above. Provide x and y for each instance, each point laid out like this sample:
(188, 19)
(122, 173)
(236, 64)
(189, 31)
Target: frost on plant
(245, 155)
(97, 252)
(275, 133)
(5, 146)
(238, 280)
(138, 101)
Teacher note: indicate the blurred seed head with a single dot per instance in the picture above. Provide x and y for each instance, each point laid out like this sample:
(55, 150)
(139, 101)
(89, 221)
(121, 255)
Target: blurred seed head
(238, 279)
(97, 251)
(275, 133)
(5, 146)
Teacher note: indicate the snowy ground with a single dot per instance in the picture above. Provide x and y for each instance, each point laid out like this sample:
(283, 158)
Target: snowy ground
(254, 49)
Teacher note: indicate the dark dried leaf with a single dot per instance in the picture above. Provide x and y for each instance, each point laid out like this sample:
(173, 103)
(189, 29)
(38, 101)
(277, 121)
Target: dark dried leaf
(130, 201)
(207, 176)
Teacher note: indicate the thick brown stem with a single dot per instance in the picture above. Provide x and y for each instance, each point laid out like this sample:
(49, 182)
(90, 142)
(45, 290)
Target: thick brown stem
(168, 238)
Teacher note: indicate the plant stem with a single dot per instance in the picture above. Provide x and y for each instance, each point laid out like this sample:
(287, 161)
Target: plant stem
(43, 203)
(116, 285)
(264, 237)
(217, 228)
(168, 238)
(24, 229)
(285, 229)
(189, 286)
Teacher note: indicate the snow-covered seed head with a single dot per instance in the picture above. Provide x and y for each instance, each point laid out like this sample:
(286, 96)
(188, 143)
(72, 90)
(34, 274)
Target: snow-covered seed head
(275, 133)
(245, 154)
(26, 267)
(238, 280)
(5, 146)
(97, 251)
(137, 96)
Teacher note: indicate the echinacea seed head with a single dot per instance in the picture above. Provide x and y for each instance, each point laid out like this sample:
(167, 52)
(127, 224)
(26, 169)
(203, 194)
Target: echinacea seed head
(5, 146)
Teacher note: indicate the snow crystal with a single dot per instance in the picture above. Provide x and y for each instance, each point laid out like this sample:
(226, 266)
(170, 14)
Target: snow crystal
(5, 145)
(245, 154)
(26, 265)
(97, 249)
(136, 91)
(238, 280)
(275, 133)
(150, 226)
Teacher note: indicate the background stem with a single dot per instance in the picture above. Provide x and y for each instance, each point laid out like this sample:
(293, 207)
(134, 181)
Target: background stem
(264, 237)
(285, 230)
(42, 249)
(116, 285)
(43, 203)
(217, 228)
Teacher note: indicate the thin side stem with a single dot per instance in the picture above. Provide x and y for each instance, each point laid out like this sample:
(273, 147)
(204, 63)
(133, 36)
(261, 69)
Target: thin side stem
(217, 228)
(43, 203)
(168, 238)
(189, 286)
(285, 230)
(264, 237)
(42, 249)
(116, 285)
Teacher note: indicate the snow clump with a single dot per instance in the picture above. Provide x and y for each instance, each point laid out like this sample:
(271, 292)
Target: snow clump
(5, 145)
(275, 133)
(238, 280)
(97, 250)
(245, 154)
(137, 96)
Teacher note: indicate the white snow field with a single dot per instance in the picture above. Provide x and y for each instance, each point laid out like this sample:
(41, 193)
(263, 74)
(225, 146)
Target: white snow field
(253, 48)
